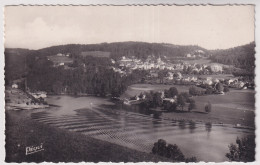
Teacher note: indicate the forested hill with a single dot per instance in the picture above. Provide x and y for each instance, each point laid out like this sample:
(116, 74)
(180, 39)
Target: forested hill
(241, 56)
(19, 61)
(15, 62)
(118, 49)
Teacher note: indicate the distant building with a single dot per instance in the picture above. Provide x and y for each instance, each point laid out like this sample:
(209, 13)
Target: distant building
(170, 76)
(171, 100)
(38, 95)
(113, 61)
(14, 86)
(194, 79)
(216, 68)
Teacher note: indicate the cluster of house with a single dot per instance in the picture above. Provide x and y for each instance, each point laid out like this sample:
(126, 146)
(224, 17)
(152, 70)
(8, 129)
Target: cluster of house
(60, 59)
(151, 63)
(64, 55)
(230, 82)
(178, 78)
(142, 97)
(197, 53)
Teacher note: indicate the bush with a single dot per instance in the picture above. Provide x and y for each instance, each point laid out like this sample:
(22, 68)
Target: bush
(192, 104)
(208, 107)
(170, 107)
(195, 92)
(243, 150)
(159, 147)
(171, 151)
(226, 89)
(209, 91)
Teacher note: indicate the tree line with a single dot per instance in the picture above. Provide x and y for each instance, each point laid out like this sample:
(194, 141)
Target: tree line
(240, 57)
(95, 77)
(175, 100)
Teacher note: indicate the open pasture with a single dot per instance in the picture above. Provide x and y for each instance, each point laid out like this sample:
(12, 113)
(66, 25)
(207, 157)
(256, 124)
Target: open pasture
(95, 54)
(198, 61)
(235, 107)
(218, 76)
(136, 89)
(60, 59)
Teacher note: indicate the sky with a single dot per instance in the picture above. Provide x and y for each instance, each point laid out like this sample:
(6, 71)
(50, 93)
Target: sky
(211, 27)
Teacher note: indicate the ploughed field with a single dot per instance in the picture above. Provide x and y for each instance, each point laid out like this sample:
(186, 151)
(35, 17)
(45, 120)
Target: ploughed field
(208, 142)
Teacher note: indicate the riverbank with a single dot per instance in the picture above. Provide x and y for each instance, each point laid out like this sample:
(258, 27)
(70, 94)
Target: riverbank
(16, 99)
(60, 145)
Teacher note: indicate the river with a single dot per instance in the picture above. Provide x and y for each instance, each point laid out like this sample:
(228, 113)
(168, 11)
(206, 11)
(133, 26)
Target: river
(88, 115)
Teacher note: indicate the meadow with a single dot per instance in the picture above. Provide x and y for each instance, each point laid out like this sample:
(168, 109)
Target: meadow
(235, 107)
(60, 59)
(136, 89)
(95, 54)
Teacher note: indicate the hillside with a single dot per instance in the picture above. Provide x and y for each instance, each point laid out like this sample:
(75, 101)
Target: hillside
(240, 56)
(119, 49)
(19, 62)
(15, 63)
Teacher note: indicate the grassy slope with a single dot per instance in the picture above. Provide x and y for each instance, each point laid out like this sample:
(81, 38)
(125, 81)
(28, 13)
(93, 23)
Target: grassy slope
(235, 107)
(60, 145)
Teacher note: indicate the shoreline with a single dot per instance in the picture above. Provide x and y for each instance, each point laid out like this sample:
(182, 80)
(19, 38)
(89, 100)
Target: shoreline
(213, 117)
(78, 147)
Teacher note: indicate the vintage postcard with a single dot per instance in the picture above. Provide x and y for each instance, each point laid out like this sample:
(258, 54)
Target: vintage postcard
(130, 83)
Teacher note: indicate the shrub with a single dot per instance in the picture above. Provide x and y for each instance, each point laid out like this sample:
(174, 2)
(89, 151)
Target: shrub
(208, 107)
(243, 150)
(171, 151)
(192, 104)
(159, 147)
(226, 89)
(191, 159)
(194, 91)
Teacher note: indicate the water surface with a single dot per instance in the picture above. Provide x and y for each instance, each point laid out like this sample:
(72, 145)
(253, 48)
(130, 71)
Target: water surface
(88, 116)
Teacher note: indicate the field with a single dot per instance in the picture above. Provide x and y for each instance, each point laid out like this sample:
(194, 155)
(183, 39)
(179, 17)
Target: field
(235, 107)
(218, 76)
(136, 89)
(199, 61)
(60, 59)
(204, 61)
(95, 54)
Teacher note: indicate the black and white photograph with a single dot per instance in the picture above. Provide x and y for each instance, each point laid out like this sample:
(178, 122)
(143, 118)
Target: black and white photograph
(129, 83)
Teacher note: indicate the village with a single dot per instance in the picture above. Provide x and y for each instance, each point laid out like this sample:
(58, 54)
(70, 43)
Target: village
(204, 76)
